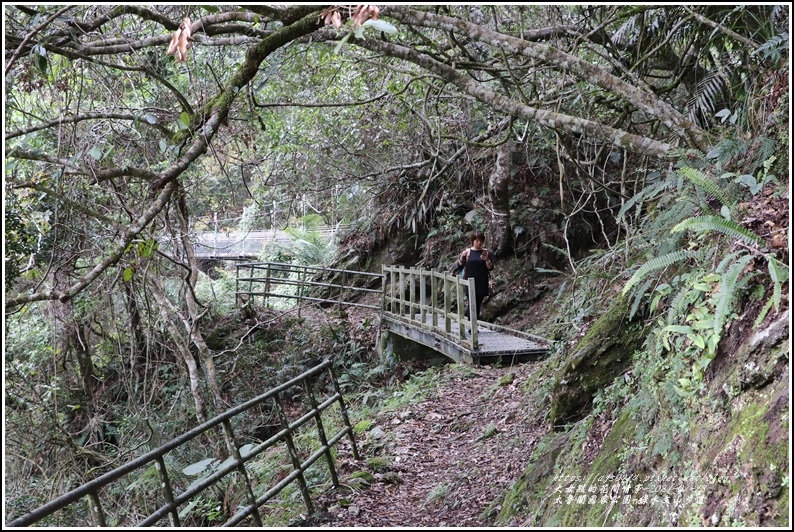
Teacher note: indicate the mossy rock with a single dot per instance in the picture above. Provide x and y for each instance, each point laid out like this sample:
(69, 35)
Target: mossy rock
(533, 484)
(363, 426)
(359, 480)
(750, 456)
(379, 463)
(507, 379)
(603, 354)
(404, 349)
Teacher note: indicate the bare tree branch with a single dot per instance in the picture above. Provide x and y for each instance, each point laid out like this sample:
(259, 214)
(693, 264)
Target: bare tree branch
(585, 70)
(32, 34)
(128, 235)
(623, 139)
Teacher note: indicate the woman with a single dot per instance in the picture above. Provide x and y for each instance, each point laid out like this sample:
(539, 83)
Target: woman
(477, 264)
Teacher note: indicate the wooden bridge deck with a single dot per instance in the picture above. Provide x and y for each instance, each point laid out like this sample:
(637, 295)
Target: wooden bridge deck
(493, 341)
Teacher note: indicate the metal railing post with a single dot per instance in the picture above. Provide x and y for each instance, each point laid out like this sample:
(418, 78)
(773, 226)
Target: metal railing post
(237, 285)
(294, 456)
(321, 432)
(343, 410)
(267, 285)
(168, 492)
(235, 452)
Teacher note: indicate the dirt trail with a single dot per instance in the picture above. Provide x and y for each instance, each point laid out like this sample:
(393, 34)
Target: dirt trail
(453, 455)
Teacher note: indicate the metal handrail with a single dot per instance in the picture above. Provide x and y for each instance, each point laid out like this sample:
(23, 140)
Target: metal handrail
(236, 462)
(269, 275)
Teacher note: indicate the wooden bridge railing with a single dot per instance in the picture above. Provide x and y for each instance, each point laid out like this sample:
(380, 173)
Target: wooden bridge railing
(433, 301)
(273, 279)
(253, 492)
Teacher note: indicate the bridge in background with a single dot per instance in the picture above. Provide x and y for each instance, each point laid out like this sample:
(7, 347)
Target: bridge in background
(247, 245)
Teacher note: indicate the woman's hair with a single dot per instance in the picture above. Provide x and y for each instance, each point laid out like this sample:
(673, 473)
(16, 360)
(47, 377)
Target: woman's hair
(477, 235)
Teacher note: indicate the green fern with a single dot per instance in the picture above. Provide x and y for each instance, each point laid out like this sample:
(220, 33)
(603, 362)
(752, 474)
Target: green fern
(703, 182)
(726, 261)
(676, 306)
(647, 192)
(557, 250)
(728, 284)
(638, 297)
(721, 225)
(763, 313)
(779, 274)
(657, 263)
(667, 217)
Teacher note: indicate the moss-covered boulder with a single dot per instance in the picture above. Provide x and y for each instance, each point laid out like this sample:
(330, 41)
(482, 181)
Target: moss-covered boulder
(603, 354)
(534, 485)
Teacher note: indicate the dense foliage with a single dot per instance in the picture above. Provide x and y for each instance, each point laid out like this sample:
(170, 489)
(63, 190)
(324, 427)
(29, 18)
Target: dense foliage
(649, 144)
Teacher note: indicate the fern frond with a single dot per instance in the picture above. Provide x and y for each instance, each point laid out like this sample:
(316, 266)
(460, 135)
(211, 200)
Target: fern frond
(647, 192)
(779, 274)
(721, 225)
(559, 251)
(763, 313)
(703, 182)
(549, 270)
(638, 297)
(668, 217)
(657, 263)
(728, 283)
(675, 309)
(726, 261)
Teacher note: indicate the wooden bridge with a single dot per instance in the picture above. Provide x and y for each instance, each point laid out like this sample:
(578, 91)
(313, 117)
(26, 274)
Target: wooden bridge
(424, 306)
(429, 307)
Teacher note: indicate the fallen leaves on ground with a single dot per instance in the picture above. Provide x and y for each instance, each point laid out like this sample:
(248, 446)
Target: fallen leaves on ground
(449, 458)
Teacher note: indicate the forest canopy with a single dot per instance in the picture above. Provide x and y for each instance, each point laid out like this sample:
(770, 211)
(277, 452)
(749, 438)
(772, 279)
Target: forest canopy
(280, 101)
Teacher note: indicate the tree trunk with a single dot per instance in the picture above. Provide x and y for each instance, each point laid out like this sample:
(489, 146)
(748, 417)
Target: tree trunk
(82, 354)
(500, 200)
(167, 313)
(137, 341)
(194, 315)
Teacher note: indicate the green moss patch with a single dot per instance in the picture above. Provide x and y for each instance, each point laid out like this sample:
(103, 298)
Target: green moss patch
(599, 357)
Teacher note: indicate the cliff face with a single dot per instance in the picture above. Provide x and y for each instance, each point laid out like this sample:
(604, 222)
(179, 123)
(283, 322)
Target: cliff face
(625, 447)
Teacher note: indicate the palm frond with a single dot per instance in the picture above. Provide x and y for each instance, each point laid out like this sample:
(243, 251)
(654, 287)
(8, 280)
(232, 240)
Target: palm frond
(625, 33)
(709, 92)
